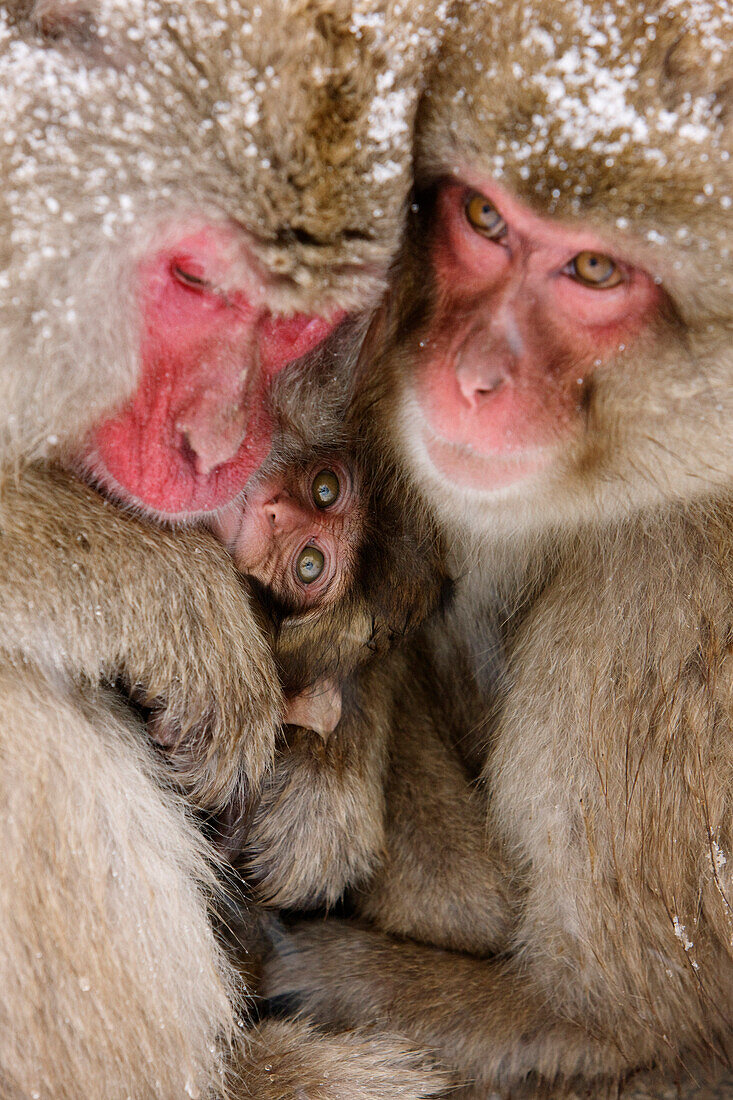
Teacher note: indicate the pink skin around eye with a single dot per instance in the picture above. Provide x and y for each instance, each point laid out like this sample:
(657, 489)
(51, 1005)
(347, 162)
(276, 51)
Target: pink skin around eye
(198, 424)
(500, 378)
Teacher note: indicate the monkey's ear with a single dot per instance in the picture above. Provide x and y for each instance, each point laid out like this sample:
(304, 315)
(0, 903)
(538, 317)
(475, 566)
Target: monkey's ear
(318, 708)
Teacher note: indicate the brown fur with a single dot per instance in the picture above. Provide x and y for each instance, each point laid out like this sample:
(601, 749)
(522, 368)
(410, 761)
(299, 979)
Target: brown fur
(82, 585)
(606, 745)
(384, 786)
(320, 823)
(113, 982)
(289, 1058)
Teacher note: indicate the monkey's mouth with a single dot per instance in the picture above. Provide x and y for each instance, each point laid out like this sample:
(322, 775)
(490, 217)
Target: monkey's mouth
(460, 464)
(92, 468)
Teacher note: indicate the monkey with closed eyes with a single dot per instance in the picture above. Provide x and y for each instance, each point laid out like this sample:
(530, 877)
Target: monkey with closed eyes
(558, 390)
(192, 204)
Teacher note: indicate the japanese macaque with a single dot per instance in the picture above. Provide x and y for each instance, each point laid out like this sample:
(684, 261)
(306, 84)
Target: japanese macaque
(343, 568)
(224, 269)
(195, 195)
(560, 388)
(297, 535)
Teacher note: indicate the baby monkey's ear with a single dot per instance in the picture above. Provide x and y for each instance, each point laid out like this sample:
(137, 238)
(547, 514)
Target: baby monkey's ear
(318, 708)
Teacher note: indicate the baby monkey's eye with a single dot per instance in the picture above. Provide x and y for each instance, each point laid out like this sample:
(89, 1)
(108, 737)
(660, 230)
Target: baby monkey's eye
(325, 489)
(309, 564)
(595, 269)
(485, 218)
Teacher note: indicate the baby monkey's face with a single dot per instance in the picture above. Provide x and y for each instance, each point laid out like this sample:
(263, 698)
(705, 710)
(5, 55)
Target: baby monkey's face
(297, 533)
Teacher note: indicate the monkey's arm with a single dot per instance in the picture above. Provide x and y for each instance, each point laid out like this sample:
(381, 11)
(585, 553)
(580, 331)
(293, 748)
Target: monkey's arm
(438, 879)
(319, 825)
(289, 1058)
(91, 592)
(441, 880)
(478, 1016)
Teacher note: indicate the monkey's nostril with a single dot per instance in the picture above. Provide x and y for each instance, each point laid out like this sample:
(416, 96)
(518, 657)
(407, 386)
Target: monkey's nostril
(490, 387)
(476, 385)
(187, 451)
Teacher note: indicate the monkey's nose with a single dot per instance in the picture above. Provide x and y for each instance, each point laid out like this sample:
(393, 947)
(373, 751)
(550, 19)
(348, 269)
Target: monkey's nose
(206, 454)
(479, 379)
(483, 366)
(213, 441)
(477, 385)
(282, 511)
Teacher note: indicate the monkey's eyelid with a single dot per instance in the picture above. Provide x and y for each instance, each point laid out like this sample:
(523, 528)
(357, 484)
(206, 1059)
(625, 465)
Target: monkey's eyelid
(188, 279)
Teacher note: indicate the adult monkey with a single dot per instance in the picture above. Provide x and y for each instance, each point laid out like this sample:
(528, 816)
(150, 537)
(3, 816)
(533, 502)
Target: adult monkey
(561, 392)
(194, 195)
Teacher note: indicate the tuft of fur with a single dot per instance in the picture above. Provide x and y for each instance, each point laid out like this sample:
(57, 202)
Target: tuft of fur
(290, 1058)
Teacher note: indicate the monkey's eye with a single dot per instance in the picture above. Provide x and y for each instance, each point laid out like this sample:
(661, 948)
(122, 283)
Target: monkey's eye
(485, 218)
(187, 278)
(595, 269)
(325, 489)
(309, 564)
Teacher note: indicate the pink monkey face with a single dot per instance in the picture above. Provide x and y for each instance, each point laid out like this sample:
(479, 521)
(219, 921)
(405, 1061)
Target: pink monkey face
(297, 534)
(198, 424)
(527, 311)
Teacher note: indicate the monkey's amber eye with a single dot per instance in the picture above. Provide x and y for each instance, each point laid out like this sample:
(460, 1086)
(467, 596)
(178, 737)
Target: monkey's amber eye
(187, 278)
(485, 218)
(595, 269)
(325, 489)
(309, 564)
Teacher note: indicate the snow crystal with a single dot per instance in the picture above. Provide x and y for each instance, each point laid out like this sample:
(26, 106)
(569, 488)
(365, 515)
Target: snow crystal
(384, 172)
(719, 857)
(681, 934)
(389, 115)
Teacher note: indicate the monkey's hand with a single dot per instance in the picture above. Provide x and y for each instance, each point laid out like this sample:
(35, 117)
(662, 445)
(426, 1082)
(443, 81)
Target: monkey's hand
(92, 593)
(289, 1060)
(337, 830)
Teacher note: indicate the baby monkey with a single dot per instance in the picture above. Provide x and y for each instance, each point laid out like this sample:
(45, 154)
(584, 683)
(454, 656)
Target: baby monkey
(342, 570)
(296, 534)
(324, 545)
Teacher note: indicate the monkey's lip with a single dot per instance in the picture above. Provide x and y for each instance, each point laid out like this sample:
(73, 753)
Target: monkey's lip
(190, 498)
(462, 465)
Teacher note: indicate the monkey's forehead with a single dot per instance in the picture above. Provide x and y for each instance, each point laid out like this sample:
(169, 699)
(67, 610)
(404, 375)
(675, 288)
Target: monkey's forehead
(601, 109)
(294, 118)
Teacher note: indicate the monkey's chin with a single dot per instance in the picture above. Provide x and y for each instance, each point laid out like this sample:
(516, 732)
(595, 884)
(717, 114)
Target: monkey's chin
(91, 468)
(466, 468)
